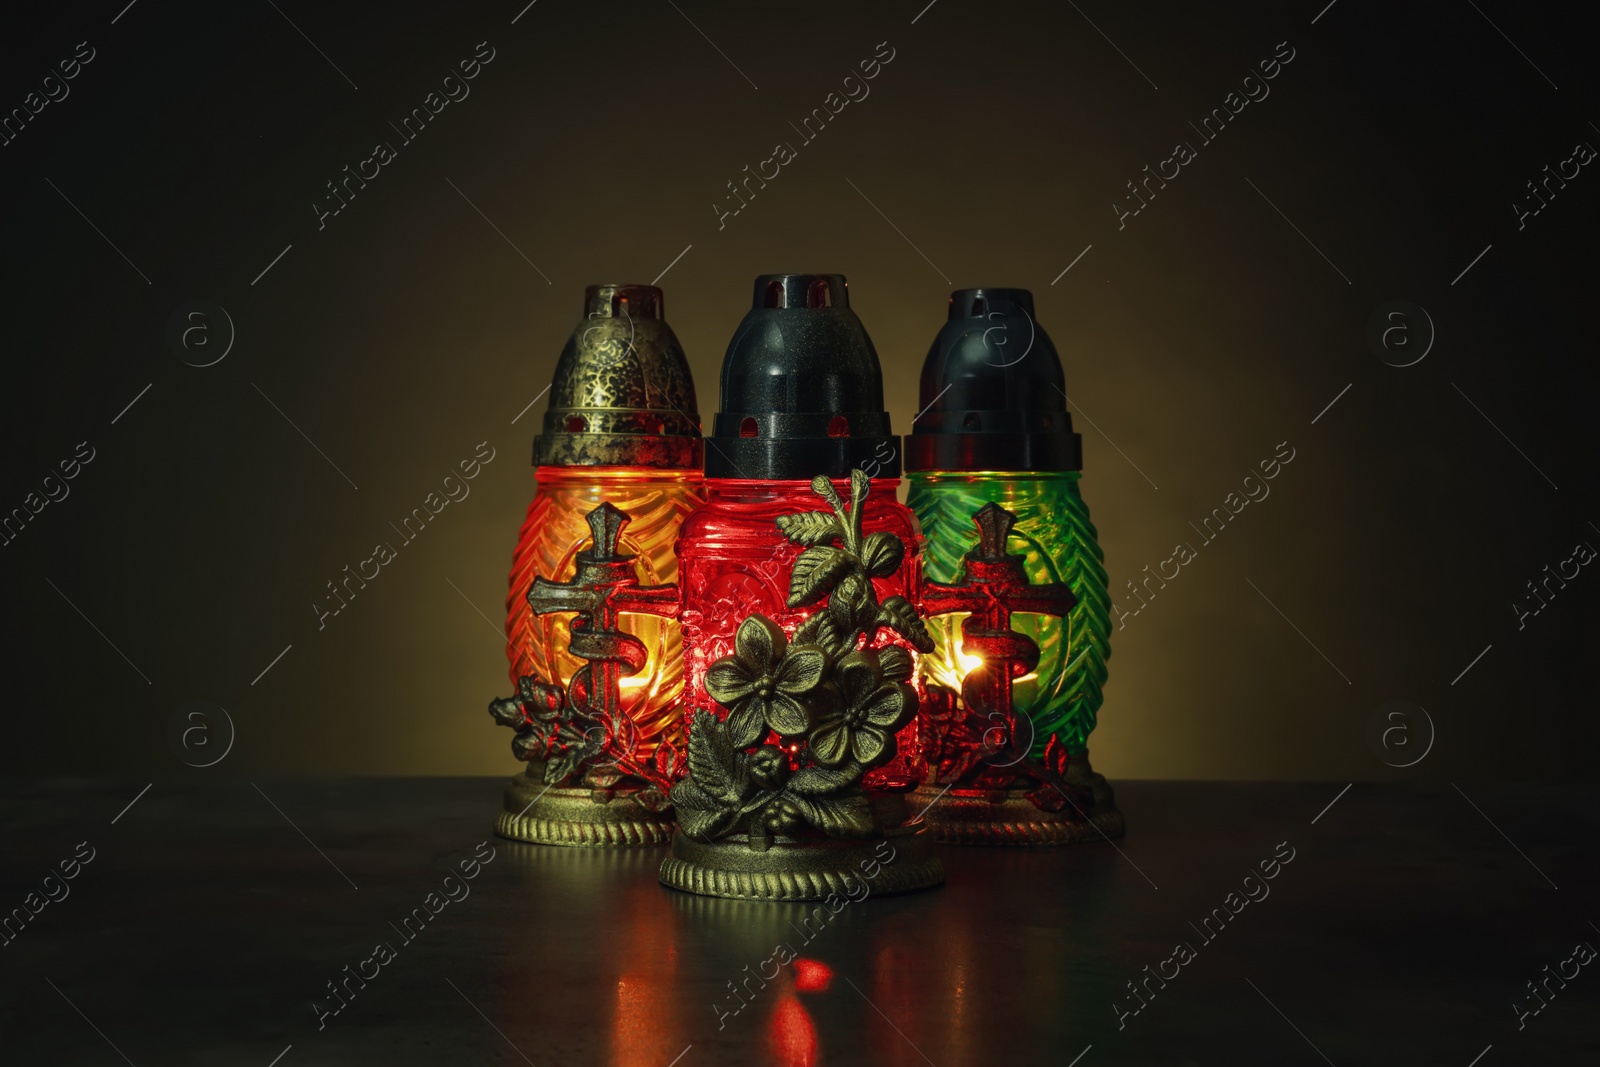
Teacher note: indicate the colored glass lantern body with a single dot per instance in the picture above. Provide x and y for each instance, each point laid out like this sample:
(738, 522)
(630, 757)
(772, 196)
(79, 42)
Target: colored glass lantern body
(554, 532)
(1060, 546)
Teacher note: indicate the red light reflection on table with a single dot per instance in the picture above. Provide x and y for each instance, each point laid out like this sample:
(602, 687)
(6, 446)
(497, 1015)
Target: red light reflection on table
(791, 1035)
(645, 1020)
(812, 976)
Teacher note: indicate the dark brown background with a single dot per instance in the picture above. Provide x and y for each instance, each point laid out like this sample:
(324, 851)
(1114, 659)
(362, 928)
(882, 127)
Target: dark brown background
(408, 330)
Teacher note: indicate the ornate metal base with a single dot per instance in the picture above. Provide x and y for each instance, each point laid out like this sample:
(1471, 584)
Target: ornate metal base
(788, 868)
(581, 817)
(1008, 817)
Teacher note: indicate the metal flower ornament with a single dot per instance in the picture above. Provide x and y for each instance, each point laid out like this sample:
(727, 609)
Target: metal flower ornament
(762, 683)
(807, 715)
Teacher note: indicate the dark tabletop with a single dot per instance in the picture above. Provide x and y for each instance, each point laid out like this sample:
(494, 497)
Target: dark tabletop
(1403, 928)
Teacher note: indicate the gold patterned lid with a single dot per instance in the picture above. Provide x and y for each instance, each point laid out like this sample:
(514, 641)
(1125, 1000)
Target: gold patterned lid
(622, 395)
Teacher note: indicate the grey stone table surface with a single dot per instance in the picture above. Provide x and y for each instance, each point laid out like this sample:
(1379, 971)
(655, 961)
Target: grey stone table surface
(1431, 923)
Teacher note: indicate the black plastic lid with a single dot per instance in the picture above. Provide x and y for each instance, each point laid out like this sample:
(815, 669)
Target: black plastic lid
(802, 392)
(993, 394)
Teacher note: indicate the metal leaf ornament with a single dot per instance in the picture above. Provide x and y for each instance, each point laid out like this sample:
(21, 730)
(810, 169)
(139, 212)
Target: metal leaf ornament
(834, 706)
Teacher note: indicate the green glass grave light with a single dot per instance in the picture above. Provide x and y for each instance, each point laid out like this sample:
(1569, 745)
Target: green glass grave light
(995, 430)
